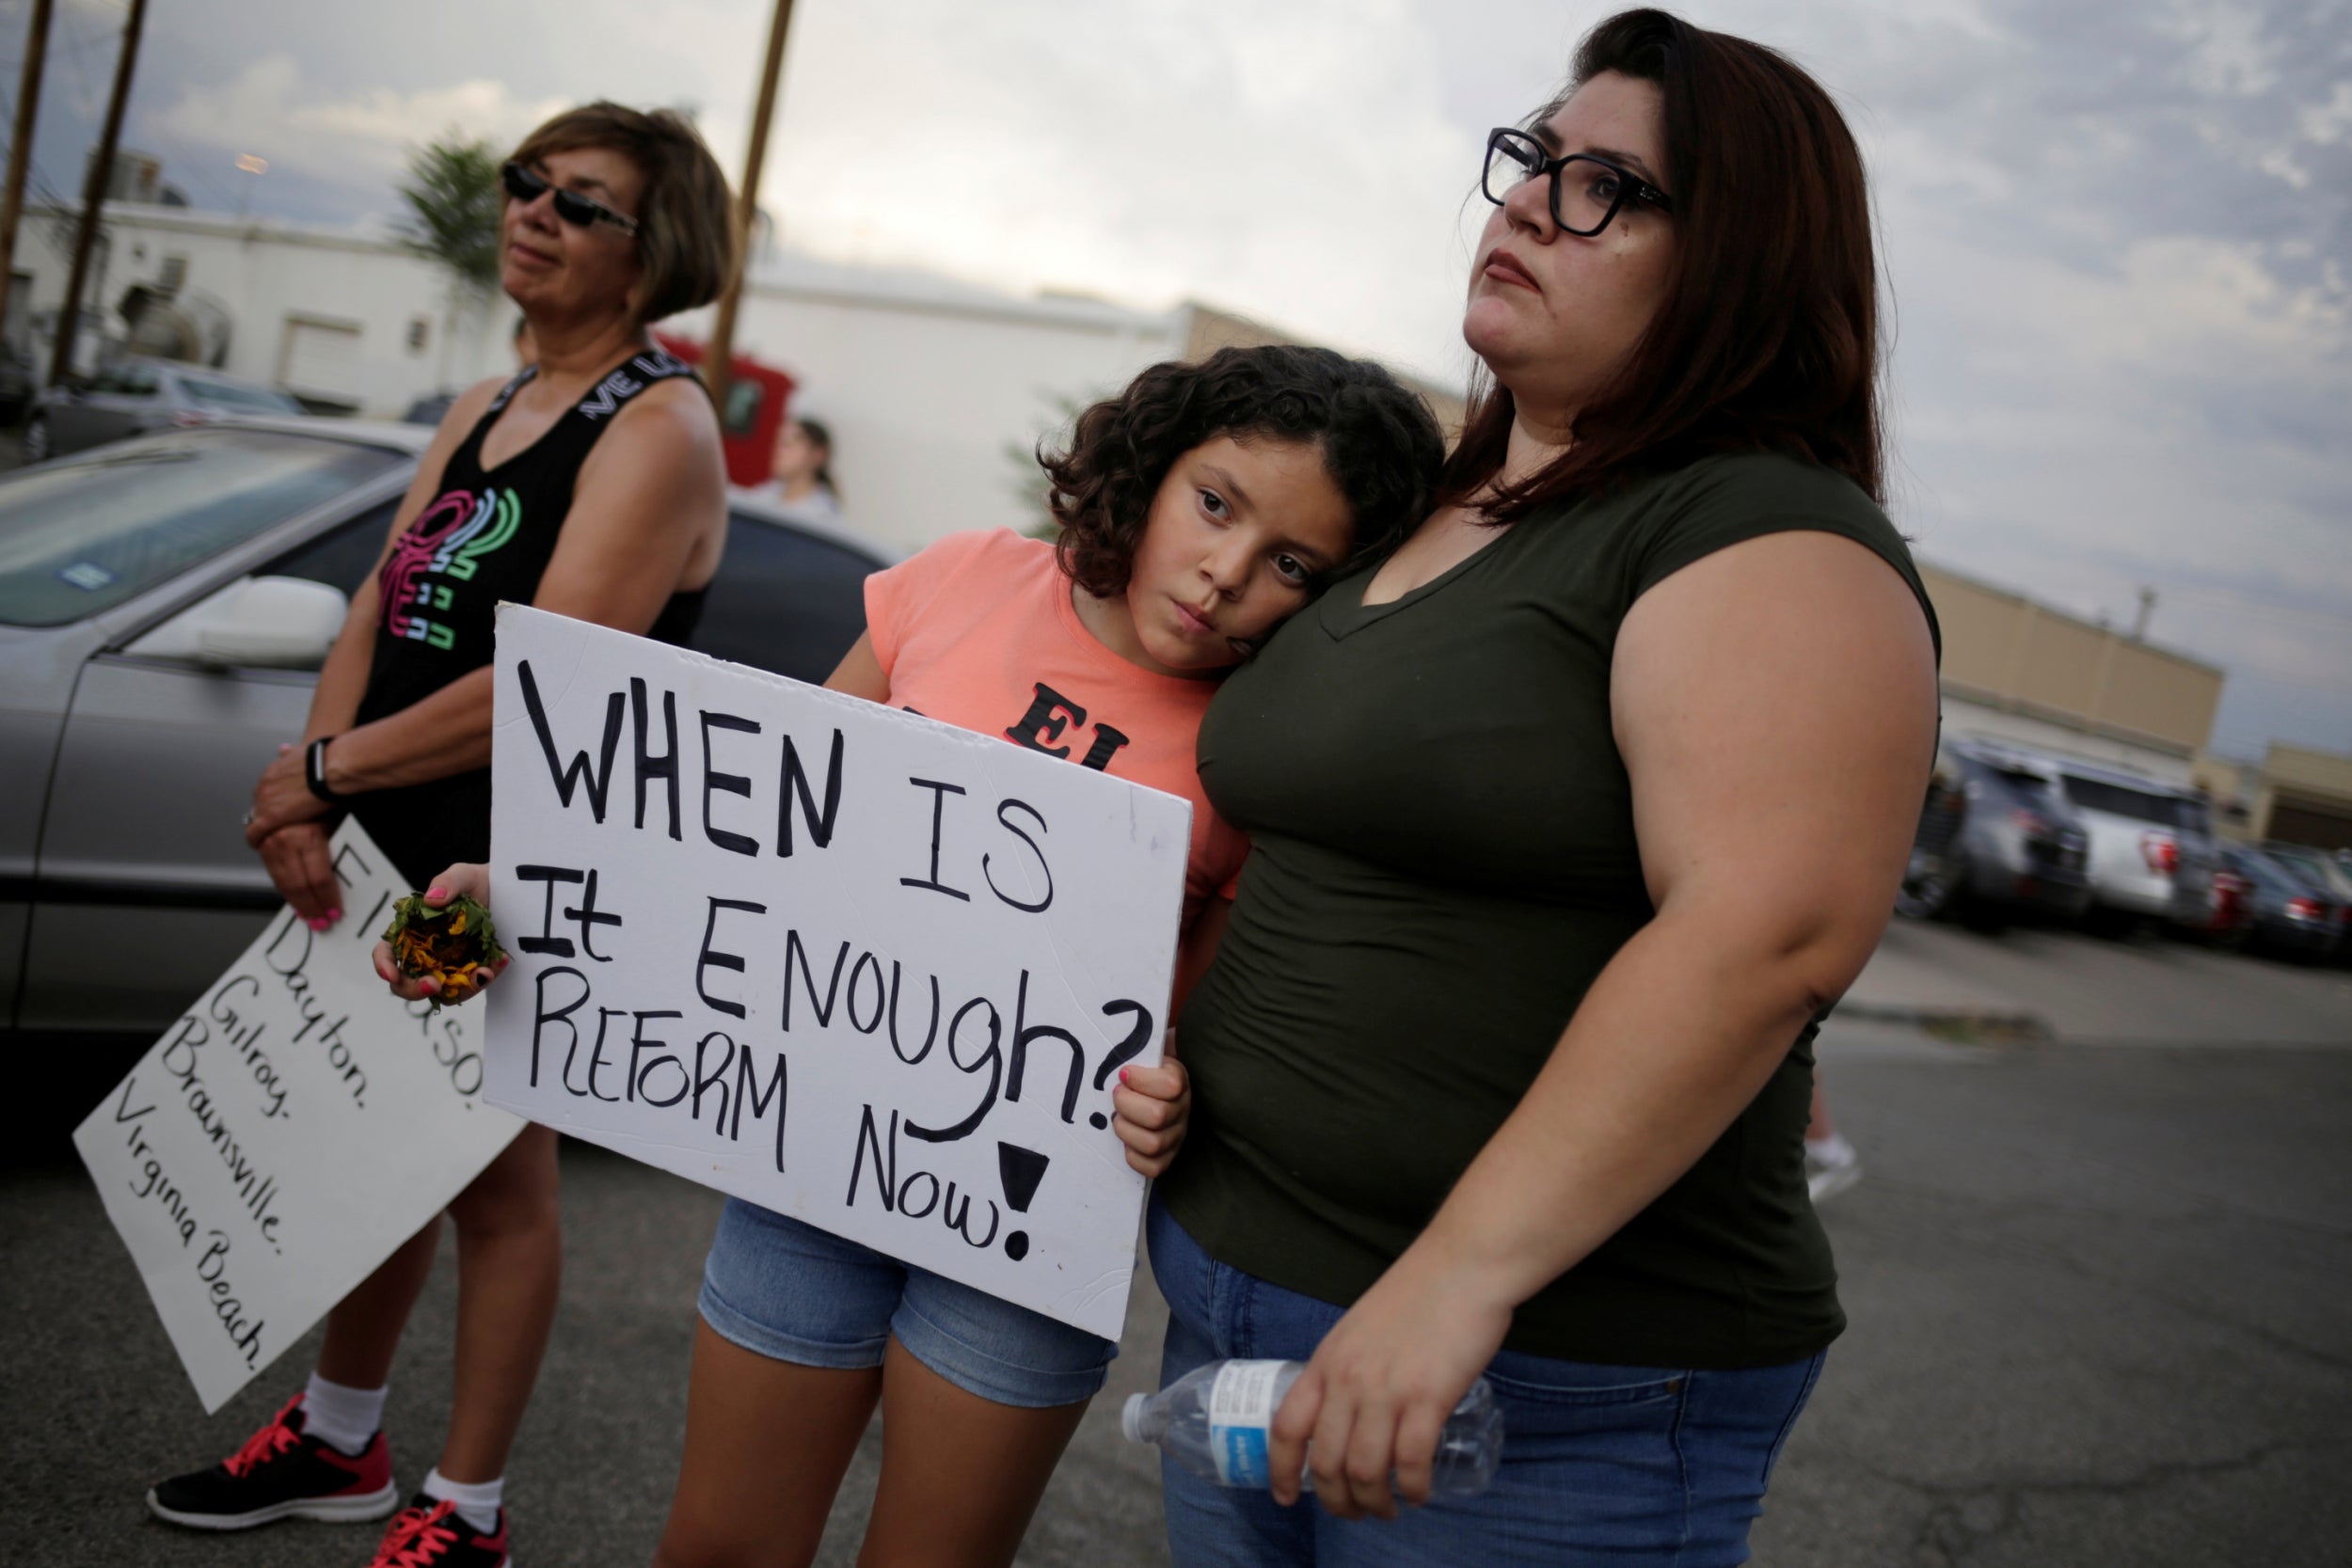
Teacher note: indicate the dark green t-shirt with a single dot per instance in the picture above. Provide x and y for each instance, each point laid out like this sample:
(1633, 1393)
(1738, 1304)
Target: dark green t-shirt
(1442, 861)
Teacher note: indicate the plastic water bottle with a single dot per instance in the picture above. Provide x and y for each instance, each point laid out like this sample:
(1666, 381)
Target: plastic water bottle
(1214, 1422)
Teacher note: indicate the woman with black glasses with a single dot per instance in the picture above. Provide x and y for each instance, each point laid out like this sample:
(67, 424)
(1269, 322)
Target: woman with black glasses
(1569, 819)
(591, 485)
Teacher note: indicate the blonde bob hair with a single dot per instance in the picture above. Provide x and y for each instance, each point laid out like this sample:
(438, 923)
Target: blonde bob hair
(687, 245)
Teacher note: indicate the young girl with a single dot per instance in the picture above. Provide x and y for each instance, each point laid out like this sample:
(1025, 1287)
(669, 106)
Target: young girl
(1199, 509)
(803, 482)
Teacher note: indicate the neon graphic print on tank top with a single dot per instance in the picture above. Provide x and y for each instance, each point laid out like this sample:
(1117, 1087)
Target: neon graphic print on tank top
(439, 553)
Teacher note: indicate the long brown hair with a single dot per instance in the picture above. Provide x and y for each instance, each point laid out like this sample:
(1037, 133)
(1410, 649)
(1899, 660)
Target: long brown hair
(1767, 339)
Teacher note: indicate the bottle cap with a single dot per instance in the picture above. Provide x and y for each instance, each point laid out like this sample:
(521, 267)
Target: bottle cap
(1131, 1416)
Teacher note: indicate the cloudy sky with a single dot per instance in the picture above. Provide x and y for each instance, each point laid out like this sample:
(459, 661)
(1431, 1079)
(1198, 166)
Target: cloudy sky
(2117, 233)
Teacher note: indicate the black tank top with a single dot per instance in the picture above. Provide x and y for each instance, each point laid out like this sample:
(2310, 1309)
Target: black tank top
(488, 537)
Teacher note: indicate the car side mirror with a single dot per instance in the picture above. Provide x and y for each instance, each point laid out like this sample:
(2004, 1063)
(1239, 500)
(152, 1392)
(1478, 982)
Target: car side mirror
(265, 623)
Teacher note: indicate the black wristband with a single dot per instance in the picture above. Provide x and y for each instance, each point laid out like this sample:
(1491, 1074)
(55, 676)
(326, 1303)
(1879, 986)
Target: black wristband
(314, 770)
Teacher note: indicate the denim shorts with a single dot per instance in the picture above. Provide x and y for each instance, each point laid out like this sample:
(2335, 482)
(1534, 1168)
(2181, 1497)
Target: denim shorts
(1626, 1466)
(792, 1293)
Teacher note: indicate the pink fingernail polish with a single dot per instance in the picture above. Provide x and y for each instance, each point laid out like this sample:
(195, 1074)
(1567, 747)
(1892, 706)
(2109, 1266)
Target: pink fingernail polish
(437, 893)
(316, 924)
(333, 915)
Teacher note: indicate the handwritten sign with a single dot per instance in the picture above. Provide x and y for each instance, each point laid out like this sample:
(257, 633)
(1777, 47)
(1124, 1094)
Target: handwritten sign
(282, 1138)
(841, 960)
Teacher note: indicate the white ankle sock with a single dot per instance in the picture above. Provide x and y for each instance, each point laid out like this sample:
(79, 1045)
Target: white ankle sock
(477, 1501)
(345, 1418)
(1832, 1150)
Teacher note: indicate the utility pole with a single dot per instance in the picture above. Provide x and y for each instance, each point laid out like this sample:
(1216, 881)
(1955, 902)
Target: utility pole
(21, 147)
(102, 165)
(720, 363)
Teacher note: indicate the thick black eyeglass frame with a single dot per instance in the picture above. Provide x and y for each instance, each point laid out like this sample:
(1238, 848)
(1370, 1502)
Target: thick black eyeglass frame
(524, 186)
(1630, 186)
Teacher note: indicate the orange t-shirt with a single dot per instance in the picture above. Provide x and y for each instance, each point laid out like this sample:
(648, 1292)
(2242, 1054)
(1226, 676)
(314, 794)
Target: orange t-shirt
(978, 632)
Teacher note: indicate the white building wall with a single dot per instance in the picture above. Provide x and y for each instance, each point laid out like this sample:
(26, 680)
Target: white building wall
(926, 384)
(268, 275)
(927, 403)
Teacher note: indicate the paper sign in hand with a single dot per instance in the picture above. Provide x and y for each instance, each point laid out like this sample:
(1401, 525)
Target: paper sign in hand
(840, 960)
(288, 1133)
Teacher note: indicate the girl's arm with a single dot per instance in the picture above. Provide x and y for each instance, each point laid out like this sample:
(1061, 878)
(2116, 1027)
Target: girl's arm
(1775, 705)
(1152, 1106)
(860, 674)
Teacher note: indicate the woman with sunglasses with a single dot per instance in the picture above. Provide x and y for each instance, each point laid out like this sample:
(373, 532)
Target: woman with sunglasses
(591, 483)
(1569, 819)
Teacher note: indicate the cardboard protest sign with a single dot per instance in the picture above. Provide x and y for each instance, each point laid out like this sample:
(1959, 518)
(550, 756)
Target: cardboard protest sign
(295, 1126)
(839, 960)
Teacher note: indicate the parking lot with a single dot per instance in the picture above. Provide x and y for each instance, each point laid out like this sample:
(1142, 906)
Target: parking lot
(2095, 1276)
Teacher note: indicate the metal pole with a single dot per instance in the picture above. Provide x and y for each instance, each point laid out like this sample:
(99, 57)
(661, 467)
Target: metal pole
(720, 363)
(21, 148)
(94, 196)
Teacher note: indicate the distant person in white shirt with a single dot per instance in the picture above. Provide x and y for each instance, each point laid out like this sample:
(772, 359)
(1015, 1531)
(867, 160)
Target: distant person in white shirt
(801, 482)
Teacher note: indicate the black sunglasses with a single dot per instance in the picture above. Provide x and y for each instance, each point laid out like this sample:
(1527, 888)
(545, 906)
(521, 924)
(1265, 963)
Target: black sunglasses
(1597, 187)
(524, 186)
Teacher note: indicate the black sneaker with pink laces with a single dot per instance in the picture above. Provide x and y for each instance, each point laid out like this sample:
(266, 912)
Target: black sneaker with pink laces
(282, 1473)
(431, 1534)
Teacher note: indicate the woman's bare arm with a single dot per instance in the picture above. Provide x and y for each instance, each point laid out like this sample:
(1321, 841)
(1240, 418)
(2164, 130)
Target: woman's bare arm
(1775, 706)
(284, 829)
(648, 495)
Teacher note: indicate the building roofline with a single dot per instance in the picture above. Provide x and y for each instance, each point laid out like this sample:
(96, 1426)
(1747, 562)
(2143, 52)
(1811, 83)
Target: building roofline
(788, 274)
(2013, 596)
(197, 220)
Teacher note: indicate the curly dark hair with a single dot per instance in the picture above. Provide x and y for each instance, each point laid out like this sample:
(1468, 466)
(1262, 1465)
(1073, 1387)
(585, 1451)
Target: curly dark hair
(1380, 446)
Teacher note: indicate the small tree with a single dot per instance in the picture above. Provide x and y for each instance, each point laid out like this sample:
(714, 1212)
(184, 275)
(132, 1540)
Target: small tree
(1027, 478)
(455, 199)
(454, 203)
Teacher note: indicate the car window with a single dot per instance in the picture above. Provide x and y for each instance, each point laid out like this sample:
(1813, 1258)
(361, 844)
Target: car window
(2030, 785)
(136, 380)
(1987, 782)
(2274, 877)
(2309, 865)
(2309, 861)
(83, 535)
(342, 557)
(231, 398)
(2140, 805)
(784, 601)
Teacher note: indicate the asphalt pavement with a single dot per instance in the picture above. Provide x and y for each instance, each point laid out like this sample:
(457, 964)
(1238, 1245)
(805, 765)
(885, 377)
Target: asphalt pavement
(2096, 1277)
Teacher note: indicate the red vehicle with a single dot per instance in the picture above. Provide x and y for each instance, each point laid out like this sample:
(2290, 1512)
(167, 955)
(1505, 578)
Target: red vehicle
(757, 395)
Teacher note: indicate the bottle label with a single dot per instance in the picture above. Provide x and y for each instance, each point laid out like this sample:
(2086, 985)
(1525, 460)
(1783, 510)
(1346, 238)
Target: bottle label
(1241, 1410)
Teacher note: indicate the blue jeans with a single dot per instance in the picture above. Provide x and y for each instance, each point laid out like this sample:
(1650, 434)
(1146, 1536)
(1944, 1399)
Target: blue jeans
(1626, 1466)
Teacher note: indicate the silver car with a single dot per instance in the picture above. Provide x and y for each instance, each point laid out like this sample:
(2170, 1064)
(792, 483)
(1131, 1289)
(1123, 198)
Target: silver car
(133, 395)
(1996, 841)
(165, 605)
